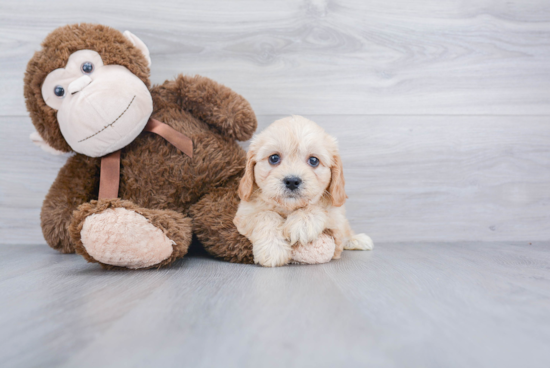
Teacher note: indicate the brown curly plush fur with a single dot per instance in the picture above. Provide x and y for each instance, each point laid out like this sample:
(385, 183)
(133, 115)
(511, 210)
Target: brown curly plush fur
(213, 216)
(156, 180)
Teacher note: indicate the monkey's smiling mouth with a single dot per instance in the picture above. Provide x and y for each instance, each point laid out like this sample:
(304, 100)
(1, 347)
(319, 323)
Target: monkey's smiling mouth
(111, 124)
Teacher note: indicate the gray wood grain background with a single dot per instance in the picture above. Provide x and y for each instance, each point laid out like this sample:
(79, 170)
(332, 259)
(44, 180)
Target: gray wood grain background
(441, 107)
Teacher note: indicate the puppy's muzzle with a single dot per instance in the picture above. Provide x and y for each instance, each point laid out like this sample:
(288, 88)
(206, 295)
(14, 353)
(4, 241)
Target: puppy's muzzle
(292, 182)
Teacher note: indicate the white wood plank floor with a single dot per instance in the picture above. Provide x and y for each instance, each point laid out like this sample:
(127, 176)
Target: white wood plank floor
(413, 305)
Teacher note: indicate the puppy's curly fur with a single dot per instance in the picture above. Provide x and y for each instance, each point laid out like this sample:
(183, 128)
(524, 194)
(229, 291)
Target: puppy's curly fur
(293, 191)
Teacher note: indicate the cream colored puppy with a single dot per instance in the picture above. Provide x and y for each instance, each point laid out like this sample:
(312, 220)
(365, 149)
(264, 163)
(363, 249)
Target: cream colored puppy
(293, 191)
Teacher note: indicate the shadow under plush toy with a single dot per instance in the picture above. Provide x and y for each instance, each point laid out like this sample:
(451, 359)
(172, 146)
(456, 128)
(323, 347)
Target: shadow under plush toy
(88, 92)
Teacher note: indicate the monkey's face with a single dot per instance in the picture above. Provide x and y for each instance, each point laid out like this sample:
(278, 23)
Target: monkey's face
(100, 108)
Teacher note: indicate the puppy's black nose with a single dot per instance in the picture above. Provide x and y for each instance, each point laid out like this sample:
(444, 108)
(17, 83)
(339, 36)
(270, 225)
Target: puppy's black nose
(292, 182)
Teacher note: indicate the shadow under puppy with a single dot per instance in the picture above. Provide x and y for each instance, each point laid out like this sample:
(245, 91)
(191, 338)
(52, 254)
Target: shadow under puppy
(292, 196)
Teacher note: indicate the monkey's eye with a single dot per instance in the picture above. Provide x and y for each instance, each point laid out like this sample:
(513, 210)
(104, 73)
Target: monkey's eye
(87, 67)
(59, 91)
(313, 161)
(274, 159)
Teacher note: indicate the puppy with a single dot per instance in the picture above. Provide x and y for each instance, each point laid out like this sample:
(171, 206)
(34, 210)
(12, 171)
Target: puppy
(293, 192)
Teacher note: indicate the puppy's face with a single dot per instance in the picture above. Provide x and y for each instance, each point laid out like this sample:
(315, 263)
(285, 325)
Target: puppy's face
(293, 163)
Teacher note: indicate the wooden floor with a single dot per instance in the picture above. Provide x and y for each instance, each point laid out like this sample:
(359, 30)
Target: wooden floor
(413, 305)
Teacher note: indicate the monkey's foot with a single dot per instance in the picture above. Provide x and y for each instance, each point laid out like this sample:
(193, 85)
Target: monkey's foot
(320, 250)
(120, 237)
(118, 233)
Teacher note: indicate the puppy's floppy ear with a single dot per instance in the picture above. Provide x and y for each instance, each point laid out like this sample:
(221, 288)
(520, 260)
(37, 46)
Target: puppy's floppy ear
(246, 187)
(337, 182)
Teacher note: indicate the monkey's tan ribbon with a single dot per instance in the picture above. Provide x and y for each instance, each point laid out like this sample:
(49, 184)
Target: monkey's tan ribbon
(179, 140)
(109, 177)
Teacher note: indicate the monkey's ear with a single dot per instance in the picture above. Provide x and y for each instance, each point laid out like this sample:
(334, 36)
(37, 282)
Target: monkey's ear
(139, 44)
(37, 140)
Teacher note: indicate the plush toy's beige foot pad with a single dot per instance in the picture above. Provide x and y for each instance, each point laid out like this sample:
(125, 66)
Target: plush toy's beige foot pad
(318, 251)
(122, 237)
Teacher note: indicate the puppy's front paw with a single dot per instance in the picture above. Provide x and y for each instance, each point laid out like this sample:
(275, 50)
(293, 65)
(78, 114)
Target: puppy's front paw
(304, 226)
(272, 252)
(360, 242)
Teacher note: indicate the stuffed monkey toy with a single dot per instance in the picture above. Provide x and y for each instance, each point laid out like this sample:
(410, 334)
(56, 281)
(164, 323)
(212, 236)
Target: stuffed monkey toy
(151, 165)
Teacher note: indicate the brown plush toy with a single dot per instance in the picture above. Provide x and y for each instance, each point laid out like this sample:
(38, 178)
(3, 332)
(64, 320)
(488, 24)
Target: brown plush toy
(168, 157)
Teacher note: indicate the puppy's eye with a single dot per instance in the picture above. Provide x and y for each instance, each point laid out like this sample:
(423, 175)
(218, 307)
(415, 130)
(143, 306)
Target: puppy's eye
(59, 91)
(87, 67)
(274, 159)
(313, 161)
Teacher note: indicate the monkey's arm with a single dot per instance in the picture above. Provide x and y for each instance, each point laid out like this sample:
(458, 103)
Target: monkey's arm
(77, 182)
(213, 103)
